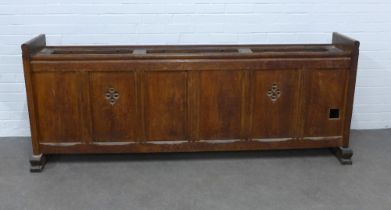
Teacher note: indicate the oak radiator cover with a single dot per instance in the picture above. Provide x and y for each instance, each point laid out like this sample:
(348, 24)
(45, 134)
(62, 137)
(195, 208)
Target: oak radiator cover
(141, 99)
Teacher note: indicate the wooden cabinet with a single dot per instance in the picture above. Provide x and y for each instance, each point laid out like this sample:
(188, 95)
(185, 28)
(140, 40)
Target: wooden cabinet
(129, 99)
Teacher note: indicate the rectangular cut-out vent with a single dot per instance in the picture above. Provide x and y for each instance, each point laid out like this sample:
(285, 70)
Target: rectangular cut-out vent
(192, 51)
(94, 51)
(140, 51)
(334, 114)
(288, 49)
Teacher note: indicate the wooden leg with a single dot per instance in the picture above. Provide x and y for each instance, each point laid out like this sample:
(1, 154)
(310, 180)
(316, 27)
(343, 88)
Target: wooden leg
(343, 154)
(37, 163)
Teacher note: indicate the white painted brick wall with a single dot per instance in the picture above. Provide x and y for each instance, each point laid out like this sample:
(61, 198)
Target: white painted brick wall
(198, 21)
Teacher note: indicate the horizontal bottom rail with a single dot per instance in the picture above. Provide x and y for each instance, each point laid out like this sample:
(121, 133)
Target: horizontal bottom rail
(150, 147)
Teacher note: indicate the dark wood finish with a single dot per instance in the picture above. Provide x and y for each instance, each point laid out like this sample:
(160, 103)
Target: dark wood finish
(140, 99)
(353, 45)
(116, 120)
(211, 145)
(57, 99)
(220, 104)
(165, 107)
(28, 49)
(275, 118)
(325, 90)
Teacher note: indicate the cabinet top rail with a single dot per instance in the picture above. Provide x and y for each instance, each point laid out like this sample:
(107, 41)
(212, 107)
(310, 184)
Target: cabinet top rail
(341, 47)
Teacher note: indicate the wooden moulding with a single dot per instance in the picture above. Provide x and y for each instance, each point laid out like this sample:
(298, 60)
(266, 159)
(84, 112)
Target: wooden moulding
(142, 99)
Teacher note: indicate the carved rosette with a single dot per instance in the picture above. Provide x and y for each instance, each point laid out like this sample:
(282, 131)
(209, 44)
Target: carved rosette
(274, 93)
(112, 96)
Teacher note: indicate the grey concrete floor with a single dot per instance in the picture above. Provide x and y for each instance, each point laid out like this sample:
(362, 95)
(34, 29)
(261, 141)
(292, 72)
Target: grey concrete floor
(306, 179)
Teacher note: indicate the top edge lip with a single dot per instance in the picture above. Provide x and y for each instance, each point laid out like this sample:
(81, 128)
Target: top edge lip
(188, 51)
